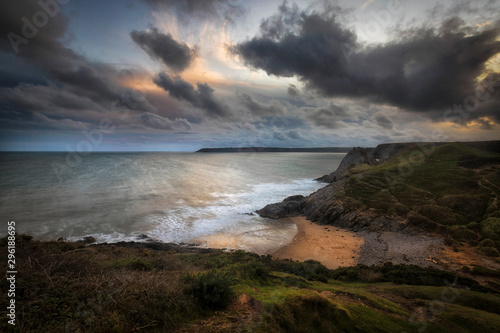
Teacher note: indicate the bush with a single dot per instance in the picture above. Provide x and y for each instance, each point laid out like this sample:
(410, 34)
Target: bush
(480, 270)
(488, 243)
(310, 269)
(254, 270)
(211, 289)
(489, 251)
(462, 234)
(402, 274)
(490, 228)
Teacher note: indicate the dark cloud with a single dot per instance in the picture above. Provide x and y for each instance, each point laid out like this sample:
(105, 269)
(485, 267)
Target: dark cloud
(287, 135)
(159, 122)
(176, 55)
(261, 109)
(49, 82)
(203, 97)
(41, 45)
(424, 70)
(224, 10)
(295, 135)
(293, 90)
(383, 121)
(327, 117)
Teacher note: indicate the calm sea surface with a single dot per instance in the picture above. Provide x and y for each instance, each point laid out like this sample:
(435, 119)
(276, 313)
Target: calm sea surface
(170, 197)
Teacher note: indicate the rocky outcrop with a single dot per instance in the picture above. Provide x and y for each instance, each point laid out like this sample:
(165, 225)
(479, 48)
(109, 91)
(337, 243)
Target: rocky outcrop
(291, 206)
(369, 156)
(324, 207)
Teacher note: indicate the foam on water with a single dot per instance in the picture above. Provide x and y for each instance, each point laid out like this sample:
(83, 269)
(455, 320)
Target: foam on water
(230, 222)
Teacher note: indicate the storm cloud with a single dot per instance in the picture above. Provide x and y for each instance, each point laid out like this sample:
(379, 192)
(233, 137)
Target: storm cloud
(328, 117)
(202, 97)
(261, 109)
(424, 70)
(176, 55)
(58, 88)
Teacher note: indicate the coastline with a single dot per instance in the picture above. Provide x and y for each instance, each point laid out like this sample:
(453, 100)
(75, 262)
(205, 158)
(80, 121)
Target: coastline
(333, 247)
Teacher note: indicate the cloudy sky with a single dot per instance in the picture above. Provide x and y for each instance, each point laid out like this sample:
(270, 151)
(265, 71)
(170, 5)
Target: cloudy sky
(184, 74)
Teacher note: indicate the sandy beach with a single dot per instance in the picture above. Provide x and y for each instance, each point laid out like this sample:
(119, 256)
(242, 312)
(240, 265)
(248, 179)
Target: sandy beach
(332, 246)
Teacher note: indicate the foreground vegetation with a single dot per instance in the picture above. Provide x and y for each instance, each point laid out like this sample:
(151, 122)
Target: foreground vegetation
(451, 189)
(70, 287)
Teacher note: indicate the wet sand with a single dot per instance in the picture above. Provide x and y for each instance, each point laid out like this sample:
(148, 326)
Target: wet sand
(333, 247)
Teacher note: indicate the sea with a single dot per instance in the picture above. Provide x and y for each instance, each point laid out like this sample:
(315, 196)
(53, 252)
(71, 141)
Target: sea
(207, 199)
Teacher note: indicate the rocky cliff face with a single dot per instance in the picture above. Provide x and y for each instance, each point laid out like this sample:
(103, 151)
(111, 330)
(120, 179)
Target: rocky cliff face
(369, 156)
(325, 208)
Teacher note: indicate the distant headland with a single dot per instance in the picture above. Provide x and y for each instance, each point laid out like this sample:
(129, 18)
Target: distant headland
(276, 150)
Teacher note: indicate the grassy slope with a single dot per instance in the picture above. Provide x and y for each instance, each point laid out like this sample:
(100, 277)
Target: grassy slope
(69, 287)
(452, 189)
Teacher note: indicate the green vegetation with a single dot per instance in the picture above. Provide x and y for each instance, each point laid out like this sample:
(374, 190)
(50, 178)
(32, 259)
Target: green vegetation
(71, 287)
(451, 189)
(211, 289)
(404, 274)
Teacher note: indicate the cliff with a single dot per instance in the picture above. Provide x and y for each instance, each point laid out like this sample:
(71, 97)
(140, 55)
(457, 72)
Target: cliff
(364, 156)
(448, 188)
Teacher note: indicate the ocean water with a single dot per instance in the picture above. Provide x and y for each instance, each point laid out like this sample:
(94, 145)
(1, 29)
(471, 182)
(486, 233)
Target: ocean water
(208, 199)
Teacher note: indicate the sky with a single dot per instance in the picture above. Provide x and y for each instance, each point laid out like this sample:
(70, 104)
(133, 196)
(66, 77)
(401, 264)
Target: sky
(179, 75)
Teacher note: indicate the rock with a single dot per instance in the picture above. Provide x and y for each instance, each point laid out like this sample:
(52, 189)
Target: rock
(89, 239)
(291, 206)
(294, 198)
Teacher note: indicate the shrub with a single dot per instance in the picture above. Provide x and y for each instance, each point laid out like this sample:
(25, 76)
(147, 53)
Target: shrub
(254, 270)
(310, 269)
(417, 220)
(402, 274)
(440, 214)
(490, 228)
(480, 270)
(462, 234)
(211, 289)
(489, 251)
(488, 243)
